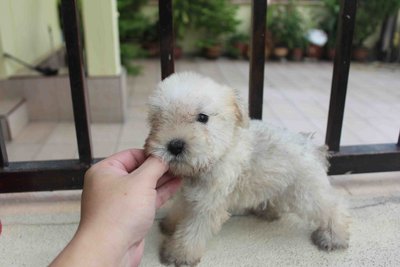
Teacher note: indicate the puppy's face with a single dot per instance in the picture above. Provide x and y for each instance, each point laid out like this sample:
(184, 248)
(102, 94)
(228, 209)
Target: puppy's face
(193, 122)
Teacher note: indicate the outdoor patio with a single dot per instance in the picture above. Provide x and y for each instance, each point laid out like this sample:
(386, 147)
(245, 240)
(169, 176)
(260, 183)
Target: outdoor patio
(36, 226)
(296, 96)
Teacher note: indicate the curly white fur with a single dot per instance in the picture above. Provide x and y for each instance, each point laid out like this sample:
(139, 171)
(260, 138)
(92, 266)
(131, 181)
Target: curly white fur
(231, 163)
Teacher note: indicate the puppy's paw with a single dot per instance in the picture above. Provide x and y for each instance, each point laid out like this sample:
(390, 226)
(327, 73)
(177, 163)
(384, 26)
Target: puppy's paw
(170, 253)
(326, 239)
(166, 228)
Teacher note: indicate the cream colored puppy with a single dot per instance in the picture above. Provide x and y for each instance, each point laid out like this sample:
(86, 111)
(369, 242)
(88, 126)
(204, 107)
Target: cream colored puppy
(230, 163)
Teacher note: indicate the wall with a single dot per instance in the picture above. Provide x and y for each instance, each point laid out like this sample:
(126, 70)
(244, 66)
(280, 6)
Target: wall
(29, 30)
(100, 24)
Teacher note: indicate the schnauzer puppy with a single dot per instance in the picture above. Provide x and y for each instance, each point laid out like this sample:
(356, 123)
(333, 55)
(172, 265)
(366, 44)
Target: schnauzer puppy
(229, 162)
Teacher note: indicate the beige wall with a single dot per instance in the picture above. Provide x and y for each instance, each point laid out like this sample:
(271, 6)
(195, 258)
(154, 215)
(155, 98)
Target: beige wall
(3, 73)
(29, 30)
(100, 23)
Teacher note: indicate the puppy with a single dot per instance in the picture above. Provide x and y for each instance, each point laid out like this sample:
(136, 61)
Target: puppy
(229, 163)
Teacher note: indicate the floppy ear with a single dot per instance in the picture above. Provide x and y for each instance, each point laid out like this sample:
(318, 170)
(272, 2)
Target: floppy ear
(240, 109)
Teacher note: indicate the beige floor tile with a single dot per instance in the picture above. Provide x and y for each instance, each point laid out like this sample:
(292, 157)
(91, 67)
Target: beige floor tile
(35, 133)
(138, 144)
(22, 151)
(369, 184)
(56, 151)
(134, 131)
(286, 111)
(63, 133)
(103, 149)
(136, 113)
(22, 204)
(105, 131)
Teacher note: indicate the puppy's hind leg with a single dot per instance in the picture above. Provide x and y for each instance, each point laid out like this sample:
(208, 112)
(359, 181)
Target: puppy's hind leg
(266, 211)
(333, 230)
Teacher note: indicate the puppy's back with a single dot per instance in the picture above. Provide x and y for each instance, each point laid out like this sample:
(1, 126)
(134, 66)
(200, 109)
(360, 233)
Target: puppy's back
(280, 148)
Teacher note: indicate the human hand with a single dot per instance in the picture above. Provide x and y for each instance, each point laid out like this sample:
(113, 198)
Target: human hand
(119, 199)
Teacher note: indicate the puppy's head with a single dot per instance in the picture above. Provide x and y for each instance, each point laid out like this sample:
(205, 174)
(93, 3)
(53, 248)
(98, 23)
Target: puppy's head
(193, 122)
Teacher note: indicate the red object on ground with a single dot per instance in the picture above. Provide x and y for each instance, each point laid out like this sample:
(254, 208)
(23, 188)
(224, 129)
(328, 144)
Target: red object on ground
(1, 227)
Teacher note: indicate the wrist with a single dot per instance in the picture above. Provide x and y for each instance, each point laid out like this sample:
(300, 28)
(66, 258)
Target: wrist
(103, 248)
(90, 248)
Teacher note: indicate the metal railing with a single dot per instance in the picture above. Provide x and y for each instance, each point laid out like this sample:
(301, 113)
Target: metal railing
(68, 174)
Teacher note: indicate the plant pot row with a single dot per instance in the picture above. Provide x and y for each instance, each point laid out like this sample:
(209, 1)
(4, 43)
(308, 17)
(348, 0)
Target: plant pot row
(296, 54)
(317, 52)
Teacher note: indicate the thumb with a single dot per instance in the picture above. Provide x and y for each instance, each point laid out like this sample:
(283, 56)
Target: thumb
(150, 171)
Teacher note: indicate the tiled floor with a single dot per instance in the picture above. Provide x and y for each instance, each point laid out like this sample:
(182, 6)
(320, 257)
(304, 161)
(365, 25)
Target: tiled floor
(296, 96)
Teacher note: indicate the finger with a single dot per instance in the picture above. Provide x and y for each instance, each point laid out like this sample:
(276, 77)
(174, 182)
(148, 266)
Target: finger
(150, 171)
(126, 160)
(164, 179)
(166, 191)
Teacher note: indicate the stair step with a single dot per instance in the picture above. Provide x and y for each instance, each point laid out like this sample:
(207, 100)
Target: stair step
(13, 117)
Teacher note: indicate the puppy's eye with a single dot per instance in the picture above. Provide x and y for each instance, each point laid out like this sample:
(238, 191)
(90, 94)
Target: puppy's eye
(203, 118)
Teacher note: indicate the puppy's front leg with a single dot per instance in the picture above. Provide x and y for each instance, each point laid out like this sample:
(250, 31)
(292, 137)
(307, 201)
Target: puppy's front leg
(187, 244)
(174, 216)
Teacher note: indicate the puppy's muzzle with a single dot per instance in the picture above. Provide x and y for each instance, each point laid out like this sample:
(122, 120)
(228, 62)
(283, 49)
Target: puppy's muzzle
(176, 146)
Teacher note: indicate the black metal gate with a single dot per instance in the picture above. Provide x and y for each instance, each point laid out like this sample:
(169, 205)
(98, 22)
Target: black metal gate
(68, 174)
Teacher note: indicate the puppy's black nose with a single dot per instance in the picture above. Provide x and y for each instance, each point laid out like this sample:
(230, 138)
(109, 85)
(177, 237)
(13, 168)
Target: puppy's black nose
(176, 146)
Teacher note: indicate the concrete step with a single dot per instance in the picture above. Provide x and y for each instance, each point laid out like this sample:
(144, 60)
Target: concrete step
(13, 117)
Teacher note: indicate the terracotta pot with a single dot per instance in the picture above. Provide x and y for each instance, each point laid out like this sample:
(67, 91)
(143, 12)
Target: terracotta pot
(153, 49)
(213, 52)
(314, 51)
(281, 52)
(242, 48)
(297, 54)
(268, 51)
(360, 54)
(269, 39)
(246, 52)
(269, 44)
(330, 53)
(178, 52)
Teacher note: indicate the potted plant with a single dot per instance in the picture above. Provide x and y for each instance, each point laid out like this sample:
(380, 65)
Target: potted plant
(276, 19)
(214, 19)
(329, 24)
(370, 14)
(150, 40)
(296, 31)
(269, 46)
(183, 20)
(287, 28)
(238, 45)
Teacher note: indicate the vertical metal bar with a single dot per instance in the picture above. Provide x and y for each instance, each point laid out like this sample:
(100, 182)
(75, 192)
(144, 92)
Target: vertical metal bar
(77, 79)
(3, 151)
(257, 58)
(398, 140)
(166, 34)
(392, 46)
(340, 73)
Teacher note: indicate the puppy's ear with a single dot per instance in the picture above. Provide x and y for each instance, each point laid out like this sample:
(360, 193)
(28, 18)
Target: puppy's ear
(241, 113)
